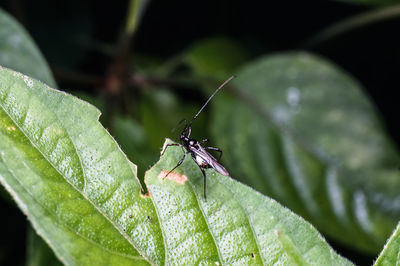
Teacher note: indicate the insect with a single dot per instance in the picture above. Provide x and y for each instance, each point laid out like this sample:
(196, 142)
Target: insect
(199, 153)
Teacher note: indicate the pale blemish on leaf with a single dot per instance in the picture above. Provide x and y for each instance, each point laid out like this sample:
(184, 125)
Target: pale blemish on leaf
(178, 178)
(11, 128)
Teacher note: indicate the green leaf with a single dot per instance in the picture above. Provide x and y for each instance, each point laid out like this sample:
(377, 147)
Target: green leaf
(390, 254)
(82, 195)
(235, 226)
(71, 179)
(301, 131)
(215, 57)
(19, 52)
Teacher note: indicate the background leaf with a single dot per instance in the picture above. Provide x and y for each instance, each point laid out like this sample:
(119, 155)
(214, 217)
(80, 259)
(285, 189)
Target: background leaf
(133, 140)
(356, 22)
(301, 131)
(216, 57)
(236, 226)
(19, 52)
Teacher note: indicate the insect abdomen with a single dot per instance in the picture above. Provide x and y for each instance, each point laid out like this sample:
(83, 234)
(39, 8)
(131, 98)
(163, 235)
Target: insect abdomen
(200, 161)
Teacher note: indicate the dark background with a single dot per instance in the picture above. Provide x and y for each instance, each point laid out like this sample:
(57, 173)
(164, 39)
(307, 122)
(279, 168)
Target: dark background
(73, 35)
(79, 39)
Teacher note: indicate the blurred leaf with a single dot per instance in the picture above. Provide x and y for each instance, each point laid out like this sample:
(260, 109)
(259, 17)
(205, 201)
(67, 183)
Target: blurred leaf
(372, 2)
(160, 112)
(38, 252)
(82, 196)
(236, 226)
(145, 64)
(19, 52)
(133, 140)
(216, 57)
(390, 254)
(135, 14)
(354, 22)
(99, 101)
(71, 179)
(302, 132)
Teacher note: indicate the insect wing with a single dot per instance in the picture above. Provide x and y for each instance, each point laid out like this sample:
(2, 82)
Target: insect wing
(203, 155)
(219, 168)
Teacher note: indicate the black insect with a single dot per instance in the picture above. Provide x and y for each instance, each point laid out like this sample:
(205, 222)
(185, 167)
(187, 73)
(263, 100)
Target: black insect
(199, 153)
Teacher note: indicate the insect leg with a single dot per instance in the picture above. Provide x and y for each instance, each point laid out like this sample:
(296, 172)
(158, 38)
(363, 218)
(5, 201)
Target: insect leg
(203, 141)
(168, 145)
(179, 163)
(205, 182)
(217, 150)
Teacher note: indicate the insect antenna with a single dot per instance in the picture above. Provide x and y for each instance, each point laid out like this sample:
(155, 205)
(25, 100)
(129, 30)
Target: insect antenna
(212, 95)
(178, 124)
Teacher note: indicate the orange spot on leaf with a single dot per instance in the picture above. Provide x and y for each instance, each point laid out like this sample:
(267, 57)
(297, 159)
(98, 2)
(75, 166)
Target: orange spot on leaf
(178, 178)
